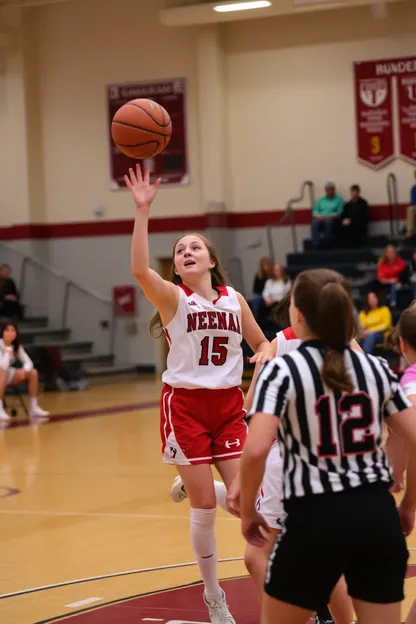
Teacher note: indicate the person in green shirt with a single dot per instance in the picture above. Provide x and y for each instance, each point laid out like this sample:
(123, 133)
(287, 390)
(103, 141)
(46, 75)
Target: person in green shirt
(325, 213)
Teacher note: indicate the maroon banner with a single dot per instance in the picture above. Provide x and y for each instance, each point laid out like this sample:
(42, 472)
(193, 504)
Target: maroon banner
(406, 98)
(374, 116)
(172, 164)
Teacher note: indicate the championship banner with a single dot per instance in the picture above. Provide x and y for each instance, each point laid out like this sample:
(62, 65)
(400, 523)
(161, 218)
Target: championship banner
(172, 164)
(374, 116)
(385, 102)
(406, 98)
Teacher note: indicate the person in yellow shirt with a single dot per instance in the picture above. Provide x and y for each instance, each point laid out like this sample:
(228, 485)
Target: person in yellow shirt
(376, 322)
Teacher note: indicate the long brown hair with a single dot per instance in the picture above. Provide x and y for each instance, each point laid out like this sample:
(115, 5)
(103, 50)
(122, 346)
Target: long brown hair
(405, 328)
(324, 299)
(218, 278)
(280, 311)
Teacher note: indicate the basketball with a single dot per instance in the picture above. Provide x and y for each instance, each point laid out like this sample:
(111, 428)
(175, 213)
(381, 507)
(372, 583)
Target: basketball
(141, 128)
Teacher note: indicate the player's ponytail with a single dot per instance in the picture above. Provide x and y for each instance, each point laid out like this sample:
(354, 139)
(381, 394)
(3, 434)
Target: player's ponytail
(323, 297)
(218, 278)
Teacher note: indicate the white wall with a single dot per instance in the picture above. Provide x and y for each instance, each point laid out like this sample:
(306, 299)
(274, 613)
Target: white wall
(291, 101)
(83, 46)
(289, 92)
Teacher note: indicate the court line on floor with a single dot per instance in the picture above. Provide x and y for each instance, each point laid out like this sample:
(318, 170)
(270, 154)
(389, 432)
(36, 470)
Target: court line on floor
(39, 512)
(101, 411)
(90, 579)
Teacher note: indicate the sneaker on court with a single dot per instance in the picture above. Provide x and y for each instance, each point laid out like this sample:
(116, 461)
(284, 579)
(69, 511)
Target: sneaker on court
(4, 415)
(38, 412)
(177, 491)
(319, 621)
(219, 612)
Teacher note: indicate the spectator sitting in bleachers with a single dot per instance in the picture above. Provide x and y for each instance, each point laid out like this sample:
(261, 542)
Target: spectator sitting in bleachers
(276, 287)
(260, 280)
(375, 321)
(390, 267)
(11, 351)
(10, 306)
(325, 214)
(354, 220)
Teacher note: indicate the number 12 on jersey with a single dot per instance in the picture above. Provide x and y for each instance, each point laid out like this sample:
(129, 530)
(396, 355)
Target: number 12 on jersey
(352, 432)
(213, 350)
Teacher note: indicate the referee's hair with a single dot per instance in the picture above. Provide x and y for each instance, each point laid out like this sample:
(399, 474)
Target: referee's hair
(324, 299)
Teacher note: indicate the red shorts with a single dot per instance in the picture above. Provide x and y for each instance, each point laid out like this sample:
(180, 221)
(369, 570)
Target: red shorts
(202, 426)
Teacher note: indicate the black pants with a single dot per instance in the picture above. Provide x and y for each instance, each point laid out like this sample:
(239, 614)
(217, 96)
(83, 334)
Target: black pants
(350, 236)
(355, 533)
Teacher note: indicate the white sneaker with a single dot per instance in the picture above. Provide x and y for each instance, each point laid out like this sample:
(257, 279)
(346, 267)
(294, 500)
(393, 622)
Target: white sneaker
(219, 612)
(4, 415)
(177, 491)
(38, 412)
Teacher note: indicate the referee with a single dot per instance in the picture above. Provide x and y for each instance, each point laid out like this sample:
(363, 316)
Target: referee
(329, 403)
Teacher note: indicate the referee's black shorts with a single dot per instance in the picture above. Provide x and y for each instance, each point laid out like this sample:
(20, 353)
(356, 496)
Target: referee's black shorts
(356, 532)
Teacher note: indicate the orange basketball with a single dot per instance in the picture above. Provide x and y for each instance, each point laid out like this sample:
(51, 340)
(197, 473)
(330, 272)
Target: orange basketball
(141, 128)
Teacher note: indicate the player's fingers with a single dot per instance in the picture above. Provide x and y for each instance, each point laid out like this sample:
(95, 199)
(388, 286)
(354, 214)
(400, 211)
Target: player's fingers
(139, 173)
(146, 178)
(132, 176)
(127, 181)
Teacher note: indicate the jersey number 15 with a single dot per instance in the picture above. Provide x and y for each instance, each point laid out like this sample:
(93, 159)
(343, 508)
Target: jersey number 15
(217, 353)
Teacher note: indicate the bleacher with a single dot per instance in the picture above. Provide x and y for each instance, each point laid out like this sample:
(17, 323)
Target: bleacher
(360, 267)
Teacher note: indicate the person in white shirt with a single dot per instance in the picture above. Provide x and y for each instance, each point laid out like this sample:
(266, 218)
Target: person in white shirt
(276, 287)
(11, 351)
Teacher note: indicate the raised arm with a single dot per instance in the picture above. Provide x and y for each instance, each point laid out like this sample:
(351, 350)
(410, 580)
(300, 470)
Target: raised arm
(161, 293)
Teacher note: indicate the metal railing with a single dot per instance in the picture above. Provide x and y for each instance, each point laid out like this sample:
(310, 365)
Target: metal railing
(307, 187)
(65, 292)
(393, 200)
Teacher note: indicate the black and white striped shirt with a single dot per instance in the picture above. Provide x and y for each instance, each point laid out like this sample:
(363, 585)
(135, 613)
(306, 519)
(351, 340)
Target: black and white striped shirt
(329, 442)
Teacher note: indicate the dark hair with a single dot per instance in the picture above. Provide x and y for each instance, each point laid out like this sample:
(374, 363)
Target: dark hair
(406, 328)
(355, 187)
(16, 341)
(218, 278)
(280, 311)
(324, 299)
(260, 273)
(380, 300)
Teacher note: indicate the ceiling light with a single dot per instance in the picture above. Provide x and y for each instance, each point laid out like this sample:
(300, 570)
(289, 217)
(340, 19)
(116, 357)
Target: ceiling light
(242, 6)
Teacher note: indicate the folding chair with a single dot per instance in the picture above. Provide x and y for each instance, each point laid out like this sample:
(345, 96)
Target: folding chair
(15, 394)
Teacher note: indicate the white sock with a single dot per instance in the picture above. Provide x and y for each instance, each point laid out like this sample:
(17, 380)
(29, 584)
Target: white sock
(221, 494)
(205, 547)
(33, 402)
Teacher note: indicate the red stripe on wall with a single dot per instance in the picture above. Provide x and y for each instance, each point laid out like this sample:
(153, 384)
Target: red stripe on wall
(232, 220)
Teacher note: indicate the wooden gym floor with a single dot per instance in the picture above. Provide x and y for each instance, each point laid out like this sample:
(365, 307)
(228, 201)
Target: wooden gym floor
(88, 532)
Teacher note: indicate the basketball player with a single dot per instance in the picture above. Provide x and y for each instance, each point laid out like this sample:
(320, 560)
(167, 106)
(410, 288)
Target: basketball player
(202, 406)
(329, 403)
(406, 335)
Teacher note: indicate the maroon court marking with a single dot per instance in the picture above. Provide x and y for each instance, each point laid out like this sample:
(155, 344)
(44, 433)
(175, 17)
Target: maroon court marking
(103, 411)
(180, 605)
(6, 491)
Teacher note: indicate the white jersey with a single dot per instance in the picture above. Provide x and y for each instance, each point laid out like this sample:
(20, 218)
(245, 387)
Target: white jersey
(205, 341)
(269, 503)
(286, 341)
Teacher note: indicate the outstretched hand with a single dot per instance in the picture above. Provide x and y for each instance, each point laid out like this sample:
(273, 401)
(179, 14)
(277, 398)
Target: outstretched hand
(142, 191)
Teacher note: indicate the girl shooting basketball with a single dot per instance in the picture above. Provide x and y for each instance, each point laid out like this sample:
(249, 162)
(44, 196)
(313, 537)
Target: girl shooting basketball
(202, 406)
(329, 402)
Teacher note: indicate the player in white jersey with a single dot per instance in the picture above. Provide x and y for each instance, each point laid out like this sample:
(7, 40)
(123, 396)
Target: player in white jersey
(202, 405)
